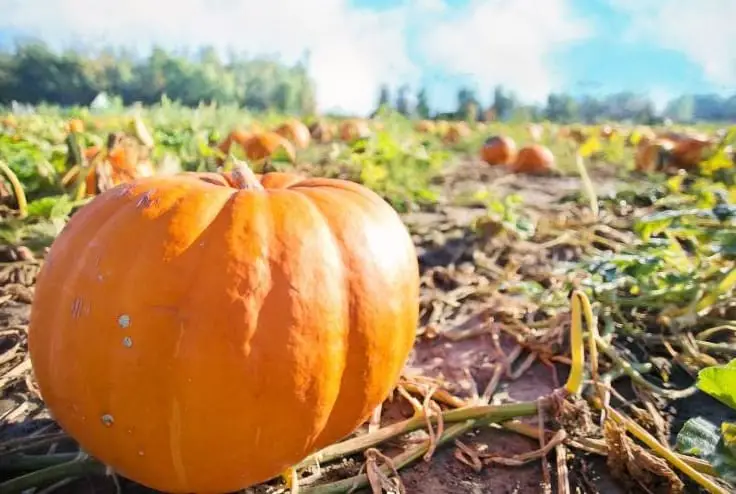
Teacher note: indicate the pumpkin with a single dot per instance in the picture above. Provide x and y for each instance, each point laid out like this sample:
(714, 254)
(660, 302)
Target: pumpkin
(322, 132)
(534, 159)
(498, 150)
(295, 132)
(124, 162)
(262, 145)
(425, 126)
(578, 135)
(353, 129)
(653, 155)
(204, 332)
(456, 132)
(689, 151)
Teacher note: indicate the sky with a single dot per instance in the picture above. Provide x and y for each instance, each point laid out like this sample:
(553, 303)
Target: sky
(660, 47)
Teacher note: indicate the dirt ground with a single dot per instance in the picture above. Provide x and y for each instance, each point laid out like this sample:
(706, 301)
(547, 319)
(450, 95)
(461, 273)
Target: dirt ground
(460, 342)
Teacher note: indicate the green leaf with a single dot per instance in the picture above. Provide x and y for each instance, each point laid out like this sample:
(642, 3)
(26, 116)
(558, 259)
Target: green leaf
(719, 381)
(702, 439)
(698, 437)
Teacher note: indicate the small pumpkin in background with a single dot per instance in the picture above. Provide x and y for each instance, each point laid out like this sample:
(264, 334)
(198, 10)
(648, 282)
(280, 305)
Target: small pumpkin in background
(124, 160)
(353, 129)
(690, 150)
(237, 136)
(498, 150)
(206, 318)
(322, 132)
(653, 155)
(425, 126)
(534, 159)
(456, 132)
(262, 145)
(295, 132)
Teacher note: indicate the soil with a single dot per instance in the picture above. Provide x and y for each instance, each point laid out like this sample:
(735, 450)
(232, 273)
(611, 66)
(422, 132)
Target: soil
(461, 339)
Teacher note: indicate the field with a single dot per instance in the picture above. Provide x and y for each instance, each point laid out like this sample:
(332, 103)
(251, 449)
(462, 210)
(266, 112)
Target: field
(643, 229)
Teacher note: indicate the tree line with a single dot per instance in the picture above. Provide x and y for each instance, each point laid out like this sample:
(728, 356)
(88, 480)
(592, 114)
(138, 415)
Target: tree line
(565, 108)
(32, 73)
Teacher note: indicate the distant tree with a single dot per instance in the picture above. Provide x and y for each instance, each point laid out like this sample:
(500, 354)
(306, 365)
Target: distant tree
(561, 108)
(403, 105)
(467, 105)
(422, 109)
(503, 103)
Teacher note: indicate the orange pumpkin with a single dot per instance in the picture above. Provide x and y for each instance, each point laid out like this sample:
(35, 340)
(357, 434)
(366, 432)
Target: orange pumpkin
(425, 126)
(237, 136)
(653, 155)
(262, 145)
(351, 130)
(498, 150)
(456, 132)
(534, 159)
(295, 132)
(203, 333)
(689, 151)
(123, 159)
(322, 132)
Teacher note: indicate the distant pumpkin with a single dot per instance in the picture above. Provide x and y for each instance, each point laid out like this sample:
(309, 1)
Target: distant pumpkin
(124, 163)
(456, 132)
(498, 150)
(607, 132)
(262, 145)
(322, 132)
(534, 159)
(237, 136)
(653, 155)
(295, 132)
(689, 151)
(353, 129)
(425, 126)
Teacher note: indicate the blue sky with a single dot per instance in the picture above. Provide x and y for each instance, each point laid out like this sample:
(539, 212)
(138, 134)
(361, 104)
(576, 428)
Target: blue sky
(660, 47)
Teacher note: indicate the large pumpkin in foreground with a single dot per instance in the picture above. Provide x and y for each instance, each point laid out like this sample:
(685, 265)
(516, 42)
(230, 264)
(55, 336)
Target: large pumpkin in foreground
(202, 333)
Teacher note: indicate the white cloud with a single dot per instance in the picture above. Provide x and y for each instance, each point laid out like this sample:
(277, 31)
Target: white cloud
(702, 31)
(353, 50)
(506, 42)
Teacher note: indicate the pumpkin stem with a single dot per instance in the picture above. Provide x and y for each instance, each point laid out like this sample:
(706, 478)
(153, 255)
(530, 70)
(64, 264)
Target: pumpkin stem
(244, 177)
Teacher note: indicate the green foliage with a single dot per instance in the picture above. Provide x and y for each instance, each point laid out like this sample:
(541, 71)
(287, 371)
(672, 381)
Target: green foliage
(35, 74)
(719, 381)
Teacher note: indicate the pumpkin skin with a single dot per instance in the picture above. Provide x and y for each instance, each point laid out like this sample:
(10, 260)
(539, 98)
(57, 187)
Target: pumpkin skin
(322, 132)
(534, 159)
(295, 132)
(456, 132)
(262, 145)
(351, 130)
(498, 150)
(425, 126)
(201, 338)
(653, 155)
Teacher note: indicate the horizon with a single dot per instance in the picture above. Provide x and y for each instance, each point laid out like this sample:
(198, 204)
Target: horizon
(533, 48)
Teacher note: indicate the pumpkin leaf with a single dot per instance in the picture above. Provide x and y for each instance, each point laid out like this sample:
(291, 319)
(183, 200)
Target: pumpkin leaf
(698, 437)
(719, 381)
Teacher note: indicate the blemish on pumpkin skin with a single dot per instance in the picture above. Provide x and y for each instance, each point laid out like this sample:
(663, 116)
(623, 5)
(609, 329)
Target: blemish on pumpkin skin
(77, 306)
(108, 420)
(175, 442)
(128, 342)
(145, 200)
(124, 321)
